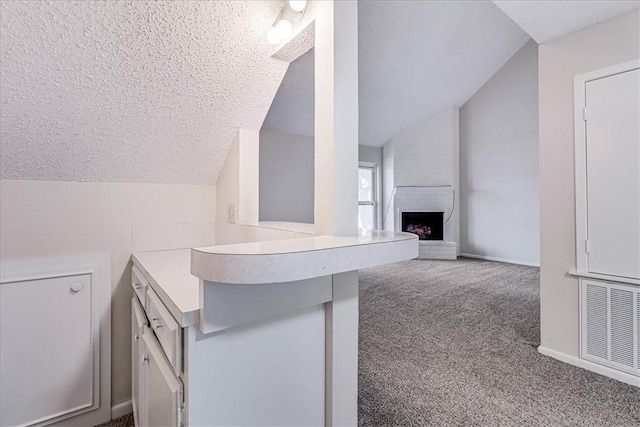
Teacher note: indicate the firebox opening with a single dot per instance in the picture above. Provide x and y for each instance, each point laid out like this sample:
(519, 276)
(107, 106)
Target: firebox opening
(427, 225)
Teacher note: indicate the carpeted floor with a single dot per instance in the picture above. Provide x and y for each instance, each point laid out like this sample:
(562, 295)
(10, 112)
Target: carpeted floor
(453, 343)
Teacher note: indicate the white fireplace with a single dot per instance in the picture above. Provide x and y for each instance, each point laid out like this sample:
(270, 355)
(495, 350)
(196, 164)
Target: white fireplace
(420, 174)
(435, 242)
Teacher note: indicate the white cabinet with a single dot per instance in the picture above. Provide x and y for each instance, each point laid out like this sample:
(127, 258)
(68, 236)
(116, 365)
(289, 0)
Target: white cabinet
(162, 389)
(157, 392)
(138, 351)
(608, 171)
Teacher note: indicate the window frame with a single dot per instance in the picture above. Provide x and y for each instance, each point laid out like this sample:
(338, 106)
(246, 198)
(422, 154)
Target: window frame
(374, 190)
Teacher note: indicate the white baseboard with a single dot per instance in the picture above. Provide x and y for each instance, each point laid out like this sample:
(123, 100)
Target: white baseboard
(508, 261)
(590, 366)
(120, 409)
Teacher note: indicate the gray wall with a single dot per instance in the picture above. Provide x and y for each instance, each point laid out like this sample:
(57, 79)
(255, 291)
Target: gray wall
(499, 179)
(370, 154)
(286, 177)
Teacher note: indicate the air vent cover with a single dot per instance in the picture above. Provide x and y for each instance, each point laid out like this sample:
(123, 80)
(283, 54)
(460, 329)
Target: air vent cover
(610, 324)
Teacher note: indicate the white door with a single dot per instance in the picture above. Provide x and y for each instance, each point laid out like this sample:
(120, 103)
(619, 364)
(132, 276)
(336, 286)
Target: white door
(162, 389)
(613, 174)
(48, 367)
(137, 356)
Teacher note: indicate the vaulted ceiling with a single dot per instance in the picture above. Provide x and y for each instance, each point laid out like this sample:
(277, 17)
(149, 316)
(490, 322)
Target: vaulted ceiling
(415, 59)
(419, 57)
(545, 20)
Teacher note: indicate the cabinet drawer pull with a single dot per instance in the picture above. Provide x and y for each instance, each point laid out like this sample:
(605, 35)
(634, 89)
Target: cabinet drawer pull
(137, 286)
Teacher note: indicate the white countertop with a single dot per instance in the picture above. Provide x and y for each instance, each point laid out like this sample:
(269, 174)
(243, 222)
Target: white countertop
(289, 260)
(173, 274)
(168, 274)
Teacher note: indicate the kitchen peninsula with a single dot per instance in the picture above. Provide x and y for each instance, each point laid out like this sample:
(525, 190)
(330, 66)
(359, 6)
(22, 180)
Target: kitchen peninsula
(261, 333)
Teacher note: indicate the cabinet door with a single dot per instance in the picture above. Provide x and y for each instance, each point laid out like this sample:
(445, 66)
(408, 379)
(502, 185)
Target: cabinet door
(48, 350)
(137, 353)
(162, 389)
(613, 174)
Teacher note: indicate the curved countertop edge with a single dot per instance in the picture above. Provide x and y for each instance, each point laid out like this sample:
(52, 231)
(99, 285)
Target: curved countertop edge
(290, 260)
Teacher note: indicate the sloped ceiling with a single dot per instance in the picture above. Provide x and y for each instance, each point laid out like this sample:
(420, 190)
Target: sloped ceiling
(419, 57)
(292, 110)
(131, 91)
(416, 58)
(546, 20)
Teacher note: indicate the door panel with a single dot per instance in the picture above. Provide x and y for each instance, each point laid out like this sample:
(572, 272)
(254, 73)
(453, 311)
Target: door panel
(613, 174)
(46, 349)
(137, 351)
(162, 389)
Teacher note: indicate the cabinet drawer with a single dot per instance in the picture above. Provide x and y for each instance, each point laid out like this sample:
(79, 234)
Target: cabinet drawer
(165, 328)
(139, 285)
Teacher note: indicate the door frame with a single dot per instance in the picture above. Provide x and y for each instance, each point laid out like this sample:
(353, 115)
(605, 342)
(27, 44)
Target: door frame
(580, 101)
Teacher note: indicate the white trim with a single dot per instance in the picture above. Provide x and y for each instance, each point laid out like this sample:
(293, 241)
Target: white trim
(591, 366)
(579, 104)
(99, 267)
(605, 277)
(121, 409)
(375, 191)
(508, 261)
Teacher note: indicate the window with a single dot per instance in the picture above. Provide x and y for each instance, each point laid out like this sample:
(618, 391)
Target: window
(367, 204)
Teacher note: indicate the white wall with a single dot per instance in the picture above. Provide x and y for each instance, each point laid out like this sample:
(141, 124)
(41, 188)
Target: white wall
(238, 181)
(499, 182)
(336, 119)
(425, 155)
(47, 219)
(286, 177)
(602, 45)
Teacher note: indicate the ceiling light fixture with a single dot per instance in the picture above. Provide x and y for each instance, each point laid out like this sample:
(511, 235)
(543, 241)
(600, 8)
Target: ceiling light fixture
(284, 28)
(298, 5)
(273, 36)
(280, 31)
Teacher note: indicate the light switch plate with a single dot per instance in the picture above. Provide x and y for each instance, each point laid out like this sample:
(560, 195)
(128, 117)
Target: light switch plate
(231, 213)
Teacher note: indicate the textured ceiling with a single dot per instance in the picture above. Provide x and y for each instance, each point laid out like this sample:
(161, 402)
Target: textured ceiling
(546, 20)
(131, 91)
(292, 110)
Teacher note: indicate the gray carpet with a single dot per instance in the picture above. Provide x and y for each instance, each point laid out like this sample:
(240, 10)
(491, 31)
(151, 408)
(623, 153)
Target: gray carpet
(453, 343)
(124, 421)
